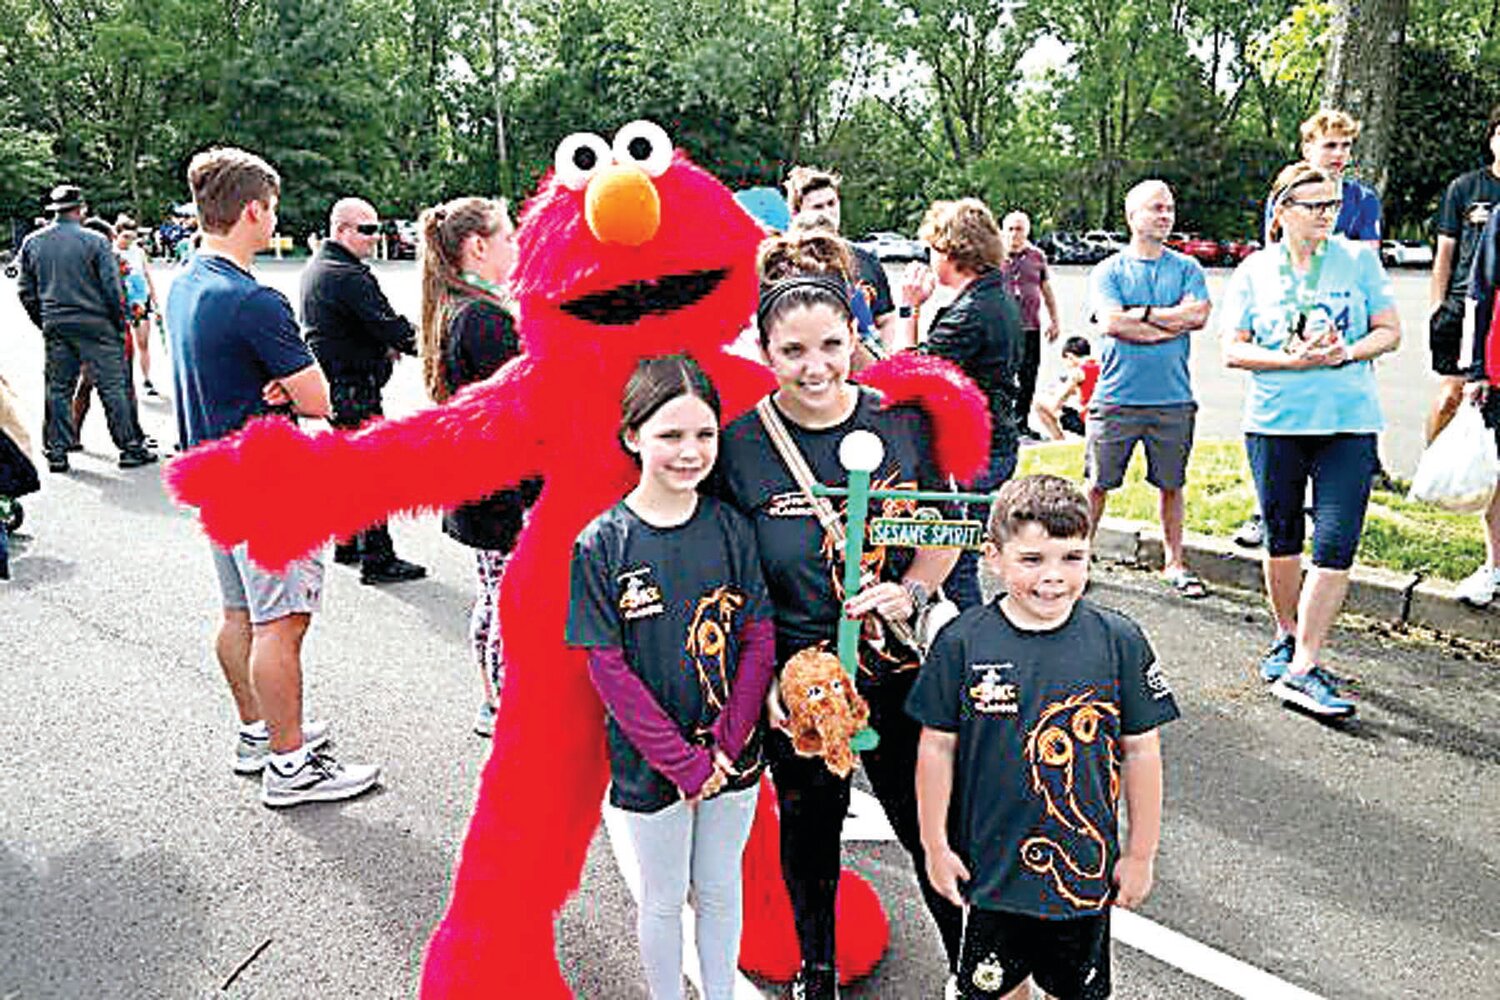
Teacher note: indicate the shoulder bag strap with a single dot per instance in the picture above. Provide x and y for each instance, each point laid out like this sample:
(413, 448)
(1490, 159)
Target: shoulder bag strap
(796, 464)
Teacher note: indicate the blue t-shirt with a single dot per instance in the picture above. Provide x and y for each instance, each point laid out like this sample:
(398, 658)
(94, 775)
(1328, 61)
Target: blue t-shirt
(1132, 374)
(1359, 215)
(230, 335)
(1351, 288)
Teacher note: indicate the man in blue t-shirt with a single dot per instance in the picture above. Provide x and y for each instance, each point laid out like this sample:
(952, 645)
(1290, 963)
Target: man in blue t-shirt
(237, 354)
(1147, 301)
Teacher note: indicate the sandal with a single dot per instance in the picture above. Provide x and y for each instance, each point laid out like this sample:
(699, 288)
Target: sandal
(1187, 584)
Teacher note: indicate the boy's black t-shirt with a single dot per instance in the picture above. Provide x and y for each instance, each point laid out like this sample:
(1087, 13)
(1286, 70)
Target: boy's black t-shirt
(673, 600)
(1039, 716)
(1466, 207)
(804, 573)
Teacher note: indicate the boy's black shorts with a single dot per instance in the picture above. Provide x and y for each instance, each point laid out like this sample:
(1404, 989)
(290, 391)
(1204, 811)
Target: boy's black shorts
(1067, 958)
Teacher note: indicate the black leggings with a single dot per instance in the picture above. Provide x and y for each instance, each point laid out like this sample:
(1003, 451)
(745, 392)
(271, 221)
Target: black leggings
(814, 802)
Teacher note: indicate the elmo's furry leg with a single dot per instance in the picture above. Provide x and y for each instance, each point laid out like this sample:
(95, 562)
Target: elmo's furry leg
(537, 810)
(768, 944)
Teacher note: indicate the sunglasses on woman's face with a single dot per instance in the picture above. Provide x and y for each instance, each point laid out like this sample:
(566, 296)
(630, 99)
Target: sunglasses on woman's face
(367, 228)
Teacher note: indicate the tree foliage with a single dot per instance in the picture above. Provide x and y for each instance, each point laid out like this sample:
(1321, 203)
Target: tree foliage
(1055, 106)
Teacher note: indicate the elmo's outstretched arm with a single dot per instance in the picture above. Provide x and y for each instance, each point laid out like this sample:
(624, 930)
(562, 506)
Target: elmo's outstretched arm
(958, 410)
(286, 491)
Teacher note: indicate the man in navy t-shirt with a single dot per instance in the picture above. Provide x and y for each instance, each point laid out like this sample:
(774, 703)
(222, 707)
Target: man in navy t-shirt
(237, 354)
(1328, 139)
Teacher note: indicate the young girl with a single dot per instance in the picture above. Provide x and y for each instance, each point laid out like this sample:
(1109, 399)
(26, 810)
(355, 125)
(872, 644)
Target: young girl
(667, 596)
(468, 333)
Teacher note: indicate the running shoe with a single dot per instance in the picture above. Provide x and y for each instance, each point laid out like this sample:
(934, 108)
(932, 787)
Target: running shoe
(484, 723)
(1312, 692)
(1478, 588)
(252, 752)
(815, 982)
(319, 779)
(1251, 534)
(1278, 659)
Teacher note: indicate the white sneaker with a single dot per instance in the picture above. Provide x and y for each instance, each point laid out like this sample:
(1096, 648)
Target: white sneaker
(252, 752)
(1478, 588)
(319, 779)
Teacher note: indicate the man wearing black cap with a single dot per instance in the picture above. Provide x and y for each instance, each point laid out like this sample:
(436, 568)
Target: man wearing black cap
(70, 287)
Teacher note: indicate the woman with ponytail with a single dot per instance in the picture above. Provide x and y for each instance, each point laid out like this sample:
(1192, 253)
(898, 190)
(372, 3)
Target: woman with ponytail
(468, 332)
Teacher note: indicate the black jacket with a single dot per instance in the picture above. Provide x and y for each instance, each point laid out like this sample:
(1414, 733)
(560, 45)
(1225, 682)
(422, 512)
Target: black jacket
(480, 337)
(980, 331)
(70, 277)
(346, 318)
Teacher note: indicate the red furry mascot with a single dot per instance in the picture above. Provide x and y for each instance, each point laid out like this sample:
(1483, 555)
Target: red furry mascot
(629, 250)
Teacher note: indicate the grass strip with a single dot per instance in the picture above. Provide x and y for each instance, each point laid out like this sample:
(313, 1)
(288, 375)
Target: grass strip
(1399, 534)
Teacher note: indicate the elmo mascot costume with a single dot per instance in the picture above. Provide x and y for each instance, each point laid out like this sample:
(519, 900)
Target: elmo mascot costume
(628, 250)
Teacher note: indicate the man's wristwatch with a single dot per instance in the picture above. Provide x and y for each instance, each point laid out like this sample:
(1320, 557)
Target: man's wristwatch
(919, 594)
(905, 312)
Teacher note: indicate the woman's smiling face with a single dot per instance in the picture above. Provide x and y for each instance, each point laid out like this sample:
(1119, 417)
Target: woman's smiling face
(810, 349)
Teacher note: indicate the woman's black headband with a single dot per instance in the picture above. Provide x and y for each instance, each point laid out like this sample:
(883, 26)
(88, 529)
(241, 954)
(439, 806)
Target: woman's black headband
(774, 292)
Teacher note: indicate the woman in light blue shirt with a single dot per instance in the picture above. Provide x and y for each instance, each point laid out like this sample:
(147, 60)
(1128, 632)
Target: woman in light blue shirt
(1306, 316)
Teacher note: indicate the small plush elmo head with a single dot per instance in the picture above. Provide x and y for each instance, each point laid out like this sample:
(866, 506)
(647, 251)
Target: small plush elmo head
(629, 249)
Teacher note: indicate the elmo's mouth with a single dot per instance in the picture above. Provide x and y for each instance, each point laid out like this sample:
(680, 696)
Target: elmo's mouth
(625, 304)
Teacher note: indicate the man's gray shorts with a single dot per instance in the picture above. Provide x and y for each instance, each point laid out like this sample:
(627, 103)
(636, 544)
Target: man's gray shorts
(1112, 433)
(268, 596)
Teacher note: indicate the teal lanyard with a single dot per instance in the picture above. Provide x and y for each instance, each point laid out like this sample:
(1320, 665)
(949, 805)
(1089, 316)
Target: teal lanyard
(1301, 294)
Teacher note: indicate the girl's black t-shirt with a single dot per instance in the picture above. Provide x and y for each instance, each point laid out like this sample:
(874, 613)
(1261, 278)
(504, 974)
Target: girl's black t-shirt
(804, 573)
(673, 600)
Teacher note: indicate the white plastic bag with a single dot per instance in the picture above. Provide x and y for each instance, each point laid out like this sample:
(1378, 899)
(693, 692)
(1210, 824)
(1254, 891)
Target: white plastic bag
(1458, 470)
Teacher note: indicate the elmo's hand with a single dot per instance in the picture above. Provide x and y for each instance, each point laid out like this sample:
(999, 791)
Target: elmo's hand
(241, 489)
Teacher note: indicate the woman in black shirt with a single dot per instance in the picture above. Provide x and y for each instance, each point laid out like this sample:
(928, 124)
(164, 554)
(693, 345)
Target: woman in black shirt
(806, 332)
(467, 334)
(980, 331)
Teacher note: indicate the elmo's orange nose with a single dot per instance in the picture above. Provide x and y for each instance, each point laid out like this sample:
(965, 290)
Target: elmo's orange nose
(622, 206)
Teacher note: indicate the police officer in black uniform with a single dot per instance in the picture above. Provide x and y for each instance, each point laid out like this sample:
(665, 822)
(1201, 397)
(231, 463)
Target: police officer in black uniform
(356, 336)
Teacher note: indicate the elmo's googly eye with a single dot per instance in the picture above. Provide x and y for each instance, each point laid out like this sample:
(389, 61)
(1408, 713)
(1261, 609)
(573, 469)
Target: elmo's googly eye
(814, 692)
(645, 145)
(578, 157)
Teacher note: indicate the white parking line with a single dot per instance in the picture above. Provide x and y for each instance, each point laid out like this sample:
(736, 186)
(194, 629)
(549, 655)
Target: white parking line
(1200, 961)
(630, 869)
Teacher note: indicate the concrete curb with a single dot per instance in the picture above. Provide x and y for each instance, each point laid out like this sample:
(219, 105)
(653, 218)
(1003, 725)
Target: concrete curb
(1383, 595)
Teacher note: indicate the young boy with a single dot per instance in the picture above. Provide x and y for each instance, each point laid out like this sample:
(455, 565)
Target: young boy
(1034, 707)
(1062, 412)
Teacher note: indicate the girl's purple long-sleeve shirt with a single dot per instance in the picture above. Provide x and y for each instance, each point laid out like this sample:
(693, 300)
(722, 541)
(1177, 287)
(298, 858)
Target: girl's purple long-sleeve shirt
(654, 733)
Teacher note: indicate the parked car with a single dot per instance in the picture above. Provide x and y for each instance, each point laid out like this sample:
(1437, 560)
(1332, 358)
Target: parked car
(1109, 242)
(1070, 248)
(1405, 253)
(894, 247)
(400, 239)
(1202, 249)
(1237, 250)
